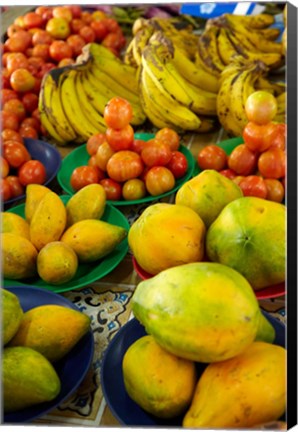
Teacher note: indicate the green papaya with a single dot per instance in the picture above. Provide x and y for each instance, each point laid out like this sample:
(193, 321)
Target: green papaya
(12, 314)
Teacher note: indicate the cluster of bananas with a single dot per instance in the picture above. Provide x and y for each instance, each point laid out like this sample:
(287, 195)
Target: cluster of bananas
(174, 91)
(230, 36)
(72, 98)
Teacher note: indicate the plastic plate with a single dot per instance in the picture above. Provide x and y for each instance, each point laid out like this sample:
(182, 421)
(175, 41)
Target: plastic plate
(79, 157)
(45, 153)
(126, 411)
(87, 272)
(71, 369)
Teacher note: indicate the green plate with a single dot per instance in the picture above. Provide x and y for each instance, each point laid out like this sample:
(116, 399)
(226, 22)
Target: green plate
(227, 145)
(86, 273)
(79, 157)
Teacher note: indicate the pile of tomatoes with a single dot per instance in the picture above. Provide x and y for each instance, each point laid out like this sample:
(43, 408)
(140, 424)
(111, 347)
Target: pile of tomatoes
(39, 41)
(258, 165)
(126, 167)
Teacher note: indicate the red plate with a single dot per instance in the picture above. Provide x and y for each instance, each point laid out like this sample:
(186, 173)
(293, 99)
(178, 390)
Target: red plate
(265, 293)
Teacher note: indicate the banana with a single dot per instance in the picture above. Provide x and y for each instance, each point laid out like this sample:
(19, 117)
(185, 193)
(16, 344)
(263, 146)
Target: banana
(276, 88)
(226, 49)
(173, 111)
(48, 125)
(129, 56)
(269, 33)
(140, 41)
(259, 21)
(208, 51)
(258, 41)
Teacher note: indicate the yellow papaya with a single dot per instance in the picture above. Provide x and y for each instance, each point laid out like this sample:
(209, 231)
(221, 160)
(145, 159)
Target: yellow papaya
(15, 224)
(18, 257)
(12, 314)
(28, 379)
(34, 194)
(52, 330)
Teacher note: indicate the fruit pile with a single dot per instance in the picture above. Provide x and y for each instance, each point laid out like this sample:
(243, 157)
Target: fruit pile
(130, 168)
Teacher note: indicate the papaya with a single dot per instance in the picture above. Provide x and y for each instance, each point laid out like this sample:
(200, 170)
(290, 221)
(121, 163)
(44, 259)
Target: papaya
(57, 263)
(93, 239)
(266, 331)
(14, 224)
(12, 314)
(167, 235)
(52, 330)
(246, 390)
(207, 194)
(18, 257)
(28, 379)
(34, 194)
(206, 312)
(48, 221)
(250, 236)
(161, 383)
(87, 203)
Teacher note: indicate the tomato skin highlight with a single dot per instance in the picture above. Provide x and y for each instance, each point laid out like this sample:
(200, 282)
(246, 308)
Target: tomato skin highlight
(32, 171)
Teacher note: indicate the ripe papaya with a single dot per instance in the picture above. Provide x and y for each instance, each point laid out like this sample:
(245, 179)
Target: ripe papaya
(15, 224)
(18, 257)
(34, 194)
(12, 314)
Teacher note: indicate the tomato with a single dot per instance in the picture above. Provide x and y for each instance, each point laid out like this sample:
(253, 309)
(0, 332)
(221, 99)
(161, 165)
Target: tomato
(112, 188)
(253, 185)
(16, 61)
(238, 179)
(276, 190)
(259, 137)
(66, 62)
(178, 164)
(103, 154)
(11, 135)
(32, 20)
(29, 122)
(5, 190)
(62, 12)
(5, 79)
(281, 137)
(42, 51)
(94, 142)
(92, 162)
(45, 68)
(159, 180)
(100, 30)
(76, 24)
(41, 37)
(9, 121)
(15, 153)
(87, 33)
(120, 139)
(16, 186)
(15, 106)
(138, 145)
(212, 157)
(242, 160)
(124, 165)
(134, 189)
(4, 167)
(111, 24)
(86, 17)
(76, 11)
(114, 42)
(169, 136)
(30, 102)
(59, 50)
(28, 132)
(58, 28)
(230, 174)
(76, 42)
(7, 94)
(21, 80)
(156, 153)
(12, 29)
(272, 163)
(32, 171)
(117, 113)
(18, 42)
(261, 107)
(98, 15)
(82, 176)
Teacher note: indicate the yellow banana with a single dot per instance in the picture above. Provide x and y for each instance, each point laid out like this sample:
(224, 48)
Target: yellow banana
(276, 88)
(129, 56)
(208, 51)
(226, 49)
(258, 40)
(140, 41)
(48, 125)
(259, 21)
(269, 33)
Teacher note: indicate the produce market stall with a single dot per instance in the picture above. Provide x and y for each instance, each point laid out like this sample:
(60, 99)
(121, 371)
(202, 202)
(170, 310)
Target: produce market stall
(104, 292)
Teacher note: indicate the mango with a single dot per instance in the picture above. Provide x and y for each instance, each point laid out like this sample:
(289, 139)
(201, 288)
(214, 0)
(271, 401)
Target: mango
(244, 391)
(52, 330)
(206, 312)
(207, 194)
(167, 235)
(93, 239)
(48, 221)
(18, 257)
(28, 379)
(12, 314)
(88, 203)
(266, 331)
(57, 263)
(14, 224)
(161, 383)
(34, 194)
(250, 236)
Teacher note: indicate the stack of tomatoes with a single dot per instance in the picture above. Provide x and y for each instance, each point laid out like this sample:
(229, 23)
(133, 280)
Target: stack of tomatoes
(258, 165)
(130, 168)
(42, 40)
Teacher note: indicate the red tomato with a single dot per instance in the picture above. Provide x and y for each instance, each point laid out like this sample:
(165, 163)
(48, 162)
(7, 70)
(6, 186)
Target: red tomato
(32, 20)
(276, 190)
(59, 50)
(230, 174)
(82, 176)
(16, 61)
(76, 24)
(15, 153)
(66, 62)
(4, 167)
(100, 30)
(118, 113)
(28, 132)
(12, 29)
(87, 33)
(261, 107)
(272, 163)
(76, 42)
(212, 157)
(76, 11)
(92, 162)
(41, 37)
(21, 80)
(32, 171)
(134, 189)
(16, 186)
(86, 17)
(259, 137)
(30, 102)
(103, 154)
(63, 12)
(42, 51)
(112, 188)
(120, 139)
(159, 180)
(253, 185)
(178, 164)
(5, 190)
(242, 160)
(9, 121)
(114, 42)
(111, 24)
(7, 94)
(11, 135)
(170, 137)
(156, 153)
(281, 137)
(124, 165)
(138, 145)
(17, 107)
(18, 42)
(29, 122)
(94, 142)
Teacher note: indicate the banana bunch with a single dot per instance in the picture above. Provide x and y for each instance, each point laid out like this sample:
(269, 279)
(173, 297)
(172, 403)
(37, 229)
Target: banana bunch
(72, 98)
(230, 36)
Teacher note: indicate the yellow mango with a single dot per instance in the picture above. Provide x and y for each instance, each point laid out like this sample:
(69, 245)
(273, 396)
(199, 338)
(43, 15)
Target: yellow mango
(18, 257)
(12, 314)
(34, 194)
(14, 224)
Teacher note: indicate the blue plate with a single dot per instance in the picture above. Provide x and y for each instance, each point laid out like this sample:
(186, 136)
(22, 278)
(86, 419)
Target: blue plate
(124, 409)
(45, 153)
(71, 369)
